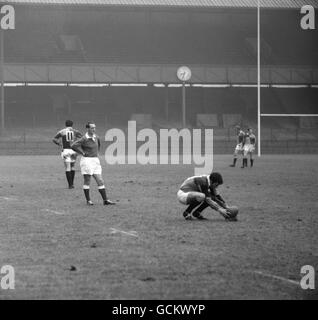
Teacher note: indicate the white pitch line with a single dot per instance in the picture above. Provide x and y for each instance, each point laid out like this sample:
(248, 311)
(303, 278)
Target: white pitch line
(130, 233)
(53, 211)
(8, 199)
(277, 277)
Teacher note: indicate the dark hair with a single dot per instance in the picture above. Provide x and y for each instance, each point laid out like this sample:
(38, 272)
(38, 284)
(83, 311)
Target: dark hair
(216, 177)
(69, 123)
(88, 124)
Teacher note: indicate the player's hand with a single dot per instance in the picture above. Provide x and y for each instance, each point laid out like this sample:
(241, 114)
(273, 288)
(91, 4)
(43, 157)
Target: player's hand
(224, 213)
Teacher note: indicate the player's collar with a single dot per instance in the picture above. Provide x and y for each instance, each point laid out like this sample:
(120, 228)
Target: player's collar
(88, 137)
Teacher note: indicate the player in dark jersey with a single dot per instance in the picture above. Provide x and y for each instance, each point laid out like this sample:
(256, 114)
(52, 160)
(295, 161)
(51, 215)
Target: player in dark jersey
(249, 147)
(64, 138)
(88, 146)
(239, 144)
(200, 192)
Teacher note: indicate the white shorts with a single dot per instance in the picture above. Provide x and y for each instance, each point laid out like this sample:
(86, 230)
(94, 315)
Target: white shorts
(238, 148)
(90, 166)
(183, 197)
(69, 155)
(248, 148)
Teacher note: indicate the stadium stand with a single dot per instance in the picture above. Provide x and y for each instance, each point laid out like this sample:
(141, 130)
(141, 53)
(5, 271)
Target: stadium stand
(172, 34)
(199, 38)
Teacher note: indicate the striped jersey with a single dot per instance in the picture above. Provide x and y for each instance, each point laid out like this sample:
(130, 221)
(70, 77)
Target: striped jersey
(199, 184)
(68, 136)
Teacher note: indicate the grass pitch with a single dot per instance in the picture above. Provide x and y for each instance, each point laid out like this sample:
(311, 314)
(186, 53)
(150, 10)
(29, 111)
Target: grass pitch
(142, 248)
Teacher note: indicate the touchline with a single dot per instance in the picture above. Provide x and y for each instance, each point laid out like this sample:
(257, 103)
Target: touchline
(153, 148)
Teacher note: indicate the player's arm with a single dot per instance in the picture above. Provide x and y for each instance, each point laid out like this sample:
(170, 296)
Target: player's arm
(98, 141)
(57, 138)
(77, 146)
(216, 206)
(215, 196)
(77, 134)
(220, 201)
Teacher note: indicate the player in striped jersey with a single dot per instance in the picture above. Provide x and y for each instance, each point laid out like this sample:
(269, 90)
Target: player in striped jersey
(64, 138)
(239, 146)
(249, 147)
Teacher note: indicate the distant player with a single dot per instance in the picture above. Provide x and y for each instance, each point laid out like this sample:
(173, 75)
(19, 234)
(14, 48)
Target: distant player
(64, 138)
(200, 192)
(88, 146)
(239, 145)
(249, 147)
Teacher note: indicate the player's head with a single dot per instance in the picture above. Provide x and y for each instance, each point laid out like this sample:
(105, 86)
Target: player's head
(237, 128)
(91, 127)
(249, 130)
(68, 123)
(216, 179)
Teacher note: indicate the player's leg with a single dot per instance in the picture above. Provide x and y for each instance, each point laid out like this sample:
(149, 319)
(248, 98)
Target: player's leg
(72, 173)
(251, 158)
(244, 163)
(67, 165)
(102, 190)
(73, 160)
(198, 211)
(235, 155)
(86, 187)
(193, 200)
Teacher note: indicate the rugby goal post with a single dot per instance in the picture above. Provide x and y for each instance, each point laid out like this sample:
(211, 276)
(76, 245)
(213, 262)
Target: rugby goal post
(259, 114)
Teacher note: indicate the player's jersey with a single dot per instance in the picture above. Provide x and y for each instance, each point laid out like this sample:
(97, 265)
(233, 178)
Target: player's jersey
(198, 184)
(247, 139)
(240, 137)
(252, 139)
(89, 145)
(68, 136)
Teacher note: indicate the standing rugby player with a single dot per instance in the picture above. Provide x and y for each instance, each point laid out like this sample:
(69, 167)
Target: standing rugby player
(67, 136)
(249, 147)
(239, 145)
(88, 146)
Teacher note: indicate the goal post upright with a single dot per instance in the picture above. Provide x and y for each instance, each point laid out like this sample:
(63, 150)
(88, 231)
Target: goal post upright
(258, 78)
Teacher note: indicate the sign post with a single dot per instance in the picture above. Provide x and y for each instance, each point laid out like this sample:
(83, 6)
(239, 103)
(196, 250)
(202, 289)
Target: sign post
(184, 74)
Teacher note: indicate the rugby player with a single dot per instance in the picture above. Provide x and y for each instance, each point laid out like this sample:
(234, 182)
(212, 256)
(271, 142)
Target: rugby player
(200, 192)
(88, 146)
(239, 145)
(64, 138)
(249, 147)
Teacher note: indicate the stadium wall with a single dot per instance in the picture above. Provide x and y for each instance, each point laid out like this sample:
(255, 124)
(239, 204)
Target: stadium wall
(220, 147)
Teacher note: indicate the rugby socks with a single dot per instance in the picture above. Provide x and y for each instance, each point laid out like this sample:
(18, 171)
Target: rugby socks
(244, 164)
(86, 192)
(102, 191)
(192, 206)
(252, 163)
(73, 176)
(69, 178)
(202, 207)
(234, 162)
